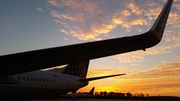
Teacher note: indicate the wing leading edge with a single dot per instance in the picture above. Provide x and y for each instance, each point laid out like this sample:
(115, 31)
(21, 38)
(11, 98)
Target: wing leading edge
(45, 58)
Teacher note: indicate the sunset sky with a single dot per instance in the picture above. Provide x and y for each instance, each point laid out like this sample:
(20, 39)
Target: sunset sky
(36, 24)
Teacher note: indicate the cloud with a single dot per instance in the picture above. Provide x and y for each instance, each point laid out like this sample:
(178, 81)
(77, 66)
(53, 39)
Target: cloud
(134, 22)
(39, 9)
(162, 79)
(66, 39)
(64, 31)
(59, 22)
(159, 79)
(96, 20)
(54, 3)
(89, 20)
(172, 34)
(140, 56)
(170, 41)
(151, 3)
(166, 70)
(134, 8)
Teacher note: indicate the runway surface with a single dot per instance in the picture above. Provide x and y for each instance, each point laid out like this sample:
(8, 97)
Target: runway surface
(90, 100)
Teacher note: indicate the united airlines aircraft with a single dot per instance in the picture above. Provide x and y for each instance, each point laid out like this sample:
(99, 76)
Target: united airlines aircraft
(47, 83)
(21, 77)
(77, 95)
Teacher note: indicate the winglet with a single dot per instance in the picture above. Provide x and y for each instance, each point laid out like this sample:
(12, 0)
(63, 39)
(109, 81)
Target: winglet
(159, 25)
(101, 77)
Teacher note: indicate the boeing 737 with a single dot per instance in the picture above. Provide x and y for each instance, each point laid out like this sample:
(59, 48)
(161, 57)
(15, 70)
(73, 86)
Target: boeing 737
(47, 83)
(21, 77)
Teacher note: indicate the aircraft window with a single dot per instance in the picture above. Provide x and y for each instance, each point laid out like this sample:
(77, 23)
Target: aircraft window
(50, 81)
(55, 75)
(47, 80)
(27, 78)
(23, 78)
(36, 79)
(39, 80)
(32, 79)
(43, 80)
(19, 78)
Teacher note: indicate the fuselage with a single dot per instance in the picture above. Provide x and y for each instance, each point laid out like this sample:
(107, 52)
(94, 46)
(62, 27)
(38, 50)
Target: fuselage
(40, 84)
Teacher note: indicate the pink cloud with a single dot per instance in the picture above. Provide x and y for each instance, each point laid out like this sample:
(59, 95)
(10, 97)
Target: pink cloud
(90, 20)
(94, 18)
(39, 9)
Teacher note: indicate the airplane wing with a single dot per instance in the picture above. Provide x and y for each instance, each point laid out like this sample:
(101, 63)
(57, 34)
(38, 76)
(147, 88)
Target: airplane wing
(101, 77)
(45, 58)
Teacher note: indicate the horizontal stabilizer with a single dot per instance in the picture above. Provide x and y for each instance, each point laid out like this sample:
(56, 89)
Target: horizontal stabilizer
(101, 77)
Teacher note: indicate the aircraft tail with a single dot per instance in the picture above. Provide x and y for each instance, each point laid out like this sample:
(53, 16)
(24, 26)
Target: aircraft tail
(91, 92)
(77, 69)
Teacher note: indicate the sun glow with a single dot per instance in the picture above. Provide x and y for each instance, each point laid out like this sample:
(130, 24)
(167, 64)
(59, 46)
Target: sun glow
(106, 88)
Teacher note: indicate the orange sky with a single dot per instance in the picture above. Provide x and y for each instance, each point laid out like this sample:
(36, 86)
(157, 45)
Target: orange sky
(159, 80)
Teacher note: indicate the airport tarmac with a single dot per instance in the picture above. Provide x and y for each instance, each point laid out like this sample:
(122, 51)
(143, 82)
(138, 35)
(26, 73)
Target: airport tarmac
(90, 100)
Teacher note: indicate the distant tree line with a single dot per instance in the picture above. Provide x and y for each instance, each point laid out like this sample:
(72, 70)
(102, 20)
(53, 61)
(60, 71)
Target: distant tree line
(128, 95)
(117, 94)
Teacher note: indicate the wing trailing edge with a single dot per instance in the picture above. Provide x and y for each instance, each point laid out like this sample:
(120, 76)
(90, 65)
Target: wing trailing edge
(45, 58)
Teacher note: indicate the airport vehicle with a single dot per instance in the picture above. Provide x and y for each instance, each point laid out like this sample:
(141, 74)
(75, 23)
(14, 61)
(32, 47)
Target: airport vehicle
(78, 95)
(14, 68)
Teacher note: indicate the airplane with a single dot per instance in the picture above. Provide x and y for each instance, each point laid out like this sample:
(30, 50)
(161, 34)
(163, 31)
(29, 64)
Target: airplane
(21, 77)
(47, 83)
(75, 96)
